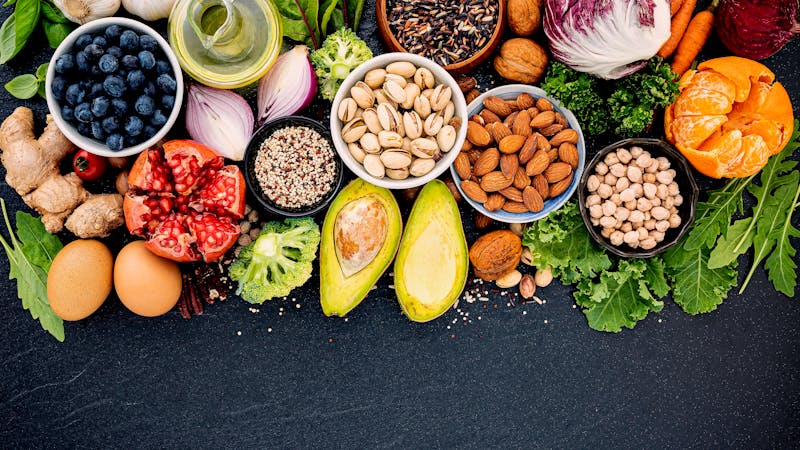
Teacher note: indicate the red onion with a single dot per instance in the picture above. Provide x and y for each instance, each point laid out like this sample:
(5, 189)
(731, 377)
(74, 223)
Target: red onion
(288, 87)
(220, 119)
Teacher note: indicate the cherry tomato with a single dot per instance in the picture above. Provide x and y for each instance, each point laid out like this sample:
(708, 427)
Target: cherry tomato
(88, 166)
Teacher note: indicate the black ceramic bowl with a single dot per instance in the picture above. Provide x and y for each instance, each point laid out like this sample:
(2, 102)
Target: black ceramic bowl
(686, 182)
(253, 148)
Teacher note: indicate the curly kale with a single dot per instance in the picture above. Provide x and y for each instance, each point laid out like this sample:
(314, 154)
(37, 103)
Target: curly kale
(577, 91)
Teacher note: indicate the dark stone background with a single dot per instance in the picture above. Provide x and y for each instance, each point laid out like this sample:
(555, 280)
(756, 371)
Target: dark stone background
(524, 376)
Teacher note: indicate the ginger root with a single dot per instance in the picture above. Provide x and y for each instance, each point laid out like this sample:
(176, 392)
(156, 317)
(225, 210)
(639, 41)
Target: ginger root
(32, 170)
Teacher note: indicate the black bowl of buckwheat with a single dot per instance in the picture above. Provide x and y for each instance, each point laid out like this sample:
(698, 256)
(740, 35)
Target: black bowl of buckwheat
(292, 168)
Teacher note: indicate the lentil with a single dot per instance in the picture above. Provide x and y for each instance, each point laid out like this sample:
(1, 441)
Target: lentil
(295, 167)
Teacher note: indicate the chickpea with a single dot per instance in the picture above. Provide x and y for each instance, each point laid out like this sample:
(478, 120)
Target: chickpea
(663, 163)
(596, 211)
(624, 155)
(653, 167)
(622, 184)
(610, 179)
(609, 208)
(650, 224)
(655, 202)
(636, 216)
(601, 168)
(611, 159)
(657, 235)
(592, 183)
(673, 188)
(593, 199)
(616, 238)
(617, 224)
(643, 161)
(607, 222)
(637, 189)
(622, 214)
(669, 201)
(677, 200)
(631, 205)
(664, 177)
(650, 190)
(630, 237)
(636, 152)
(626, 227)
(647, 215)
(673, 210)
(674, 221)
(595, 222)
(627, 195)
(615, 199)
(662, 192)
(643, 204)
(662, 226)
(634, 174)
(648, 243)
(649, 178)
(606, 232)
(604, 191)
(618, 170)
(659, 213)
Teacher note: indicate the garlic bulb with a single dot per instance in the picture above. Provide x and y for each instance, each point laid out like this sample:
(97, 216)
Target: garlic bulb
(82, 11)
(149, 9)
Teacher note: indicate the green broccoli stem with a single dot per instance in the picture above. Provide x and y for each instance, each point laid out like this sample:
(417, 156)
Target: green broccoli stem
(340, 70)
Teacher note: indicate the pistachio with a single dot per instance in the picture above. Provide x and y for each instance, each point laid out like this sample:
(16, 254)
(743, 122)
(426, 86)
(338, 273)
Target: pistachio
(527, 257)
(395, 160)
(422, 106)
(427, 93)
(433, 124)
(449, 111)
(517, 228)
(381, 98)
(412, 124)
(375, 78)
(412, 92)
(388, 117)
(543, 277)
(370, 116)
(446, 138)
(369, 142)
(394, 91)
(406, 145)
(403, 68)
(527, 287)
(362, 94)
(397, 79)
(357, 152)
(390, 139)
(374, 166)
(398, 174)
(509, 280)
(347, 110)
(440, 97)
(353, 130)
(423, 78)
(424, 147)
(421, 166)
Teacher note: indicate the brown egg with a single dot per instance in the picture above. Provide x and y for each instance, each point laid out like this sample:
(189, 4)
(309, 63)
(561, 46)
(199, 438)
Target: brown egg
(147, 284)
(79, 279)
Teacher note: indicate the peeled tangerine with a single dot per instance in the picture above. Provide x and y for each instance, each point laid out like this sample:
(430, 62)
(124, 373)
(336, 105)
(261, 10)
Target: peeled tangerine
(730, 117)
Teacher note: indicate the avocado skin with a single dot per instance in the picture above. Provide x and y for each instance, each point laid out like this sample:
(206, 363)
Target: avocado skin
(340, 294)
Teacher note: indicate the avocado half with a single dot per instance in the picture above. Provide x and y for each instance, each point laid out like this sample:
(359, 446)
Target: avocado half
(432, 264)
(360, 236)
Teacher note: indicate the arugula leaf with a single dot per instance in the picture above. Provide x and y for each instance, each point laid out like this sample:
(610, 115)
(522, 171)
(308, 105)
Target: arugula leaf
(725, 252)
(32, 277)
(715, 214)
(780, 265)
(23, 86)
(695, 287)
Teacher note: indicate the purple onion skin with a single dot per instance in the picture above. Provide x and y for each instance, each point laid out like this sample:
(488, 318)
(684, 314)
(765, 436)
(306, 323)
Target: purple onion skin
(757, 29)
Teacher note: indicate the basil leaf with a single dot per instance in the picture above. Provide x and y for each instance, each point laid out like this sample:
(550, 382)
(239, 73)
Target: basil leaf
(41, 72)
(26, 15)
(41, 90)
(23, 86)
(55, 32)
(52, 13)
(8, 40)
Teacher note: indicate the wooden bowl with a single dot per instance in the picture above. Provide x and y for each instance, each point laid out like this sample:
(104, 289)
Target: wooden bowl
(464, 66)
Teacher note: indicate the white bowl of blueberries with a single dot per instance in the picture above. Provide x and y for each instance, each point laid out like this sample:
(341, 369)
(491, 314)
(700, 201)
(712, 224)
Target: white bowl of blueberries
(114, 87)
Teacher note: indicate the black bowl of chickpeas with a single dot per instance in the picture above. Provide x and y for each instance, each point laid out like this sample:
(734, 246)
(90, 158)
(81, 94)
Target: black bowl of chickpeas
(637, 197)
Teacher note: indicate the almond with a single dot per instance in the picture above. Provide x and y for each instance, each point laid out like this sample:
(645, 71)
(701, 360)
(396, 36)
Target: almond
(521, 179)
(532, 199)
(560, 187)
(553, 154)
(543, 119)
(487, 162)
(477, 118)
(544, 104)
(495, 181)
(515, 207)
(557, 171)
(477, 134)
(533, 111)
(498, 131)
(467, 145)
(472, 95)
(551, 130)
(512, 105)
(568, 135)
(512, 193)
(538, 163)
(568, 153)
(561, 120)
(528, 148)
(509, 121)
(462, 166)
(494, 202)
(541, 142)
(473, 154)
(525, 101)
(488, 116)
(509, 164)
(522, 125)
(482, 221)
(539, 183)
(473, 191)
(511, 144)
(497, 105)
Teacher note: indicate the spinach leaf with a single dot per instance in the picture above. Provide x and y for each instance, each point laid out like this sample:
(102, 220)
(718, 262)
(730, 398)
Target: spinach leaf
(300, 19)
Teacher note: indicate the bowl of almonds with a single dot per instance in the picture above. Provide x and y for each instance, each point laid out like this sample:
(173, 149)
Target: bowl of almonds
(523, 155)
(397, 120)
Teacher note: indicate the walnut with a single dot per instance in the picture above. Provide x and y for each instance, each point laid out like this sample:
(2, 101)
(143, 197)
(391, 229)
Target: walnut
(495, 254)
(521, 60)
(524, 16)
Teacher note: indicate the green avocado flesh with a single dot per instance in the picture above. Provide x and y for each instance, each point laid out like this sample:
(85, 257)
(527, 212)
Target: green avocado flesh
(360, 236)
(431, 267)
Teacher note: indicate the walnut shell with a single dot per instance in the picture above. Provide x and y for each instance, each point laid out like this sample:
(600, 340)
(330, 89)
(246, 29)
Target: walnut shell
(495, 254)
(521, 60)
(524, 16)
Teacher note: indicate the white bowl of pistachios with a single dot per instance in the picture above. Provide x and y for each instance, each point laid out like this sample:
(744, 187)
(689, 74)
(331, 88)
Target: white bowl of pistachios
(398, 120)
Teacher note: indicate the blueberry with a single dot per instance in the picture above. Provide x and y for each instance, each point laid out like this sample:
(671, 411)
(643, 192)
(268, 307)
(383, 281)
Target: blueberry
(148, 132)
(110, 124)
(147, 42)
(59, 87)
(83, 113)
(120, 106)
(101, 41)
(65, 63)
(147, 60)
(168, 101)
(82, 62)
(149, 89)
(108, 63)
(115, 51)
(144, 105)
(129, 41)
(133, 126)
(136, 79)
(100, 106)
(82, 41)
(158, 119)
(67, 113)
(96, 90)
(112, 32)
(166, 83)
(130, 141)
(93, 52)
(130, 62)
(97, 131)
(114, 142)
(163, 67)
(75, 94)
(114, 86)
(96, 73)
(84, 129)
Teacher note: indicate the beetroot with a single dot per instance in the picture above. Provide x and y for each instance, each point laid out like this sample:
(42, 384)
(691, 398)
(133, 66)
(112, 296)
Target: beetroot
(756, 29)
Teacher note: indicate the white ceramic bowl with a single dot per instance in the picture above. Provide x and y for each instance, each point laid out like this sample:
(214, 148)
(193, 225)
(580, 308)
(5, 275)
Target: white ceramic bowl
(88, 143)
(508, 92)
(382, 61)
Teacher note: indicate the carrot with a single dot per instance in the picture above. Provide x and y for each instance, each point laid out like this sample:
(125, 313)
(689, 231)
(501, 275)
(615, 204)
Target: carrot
(674, 6)
(693, 39)
(680, 21)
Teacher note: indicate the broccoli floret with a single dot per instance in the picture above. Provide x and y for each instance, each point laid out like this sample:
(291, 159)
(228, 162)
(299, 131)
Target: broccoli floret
(278, 261)
(341, 52)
